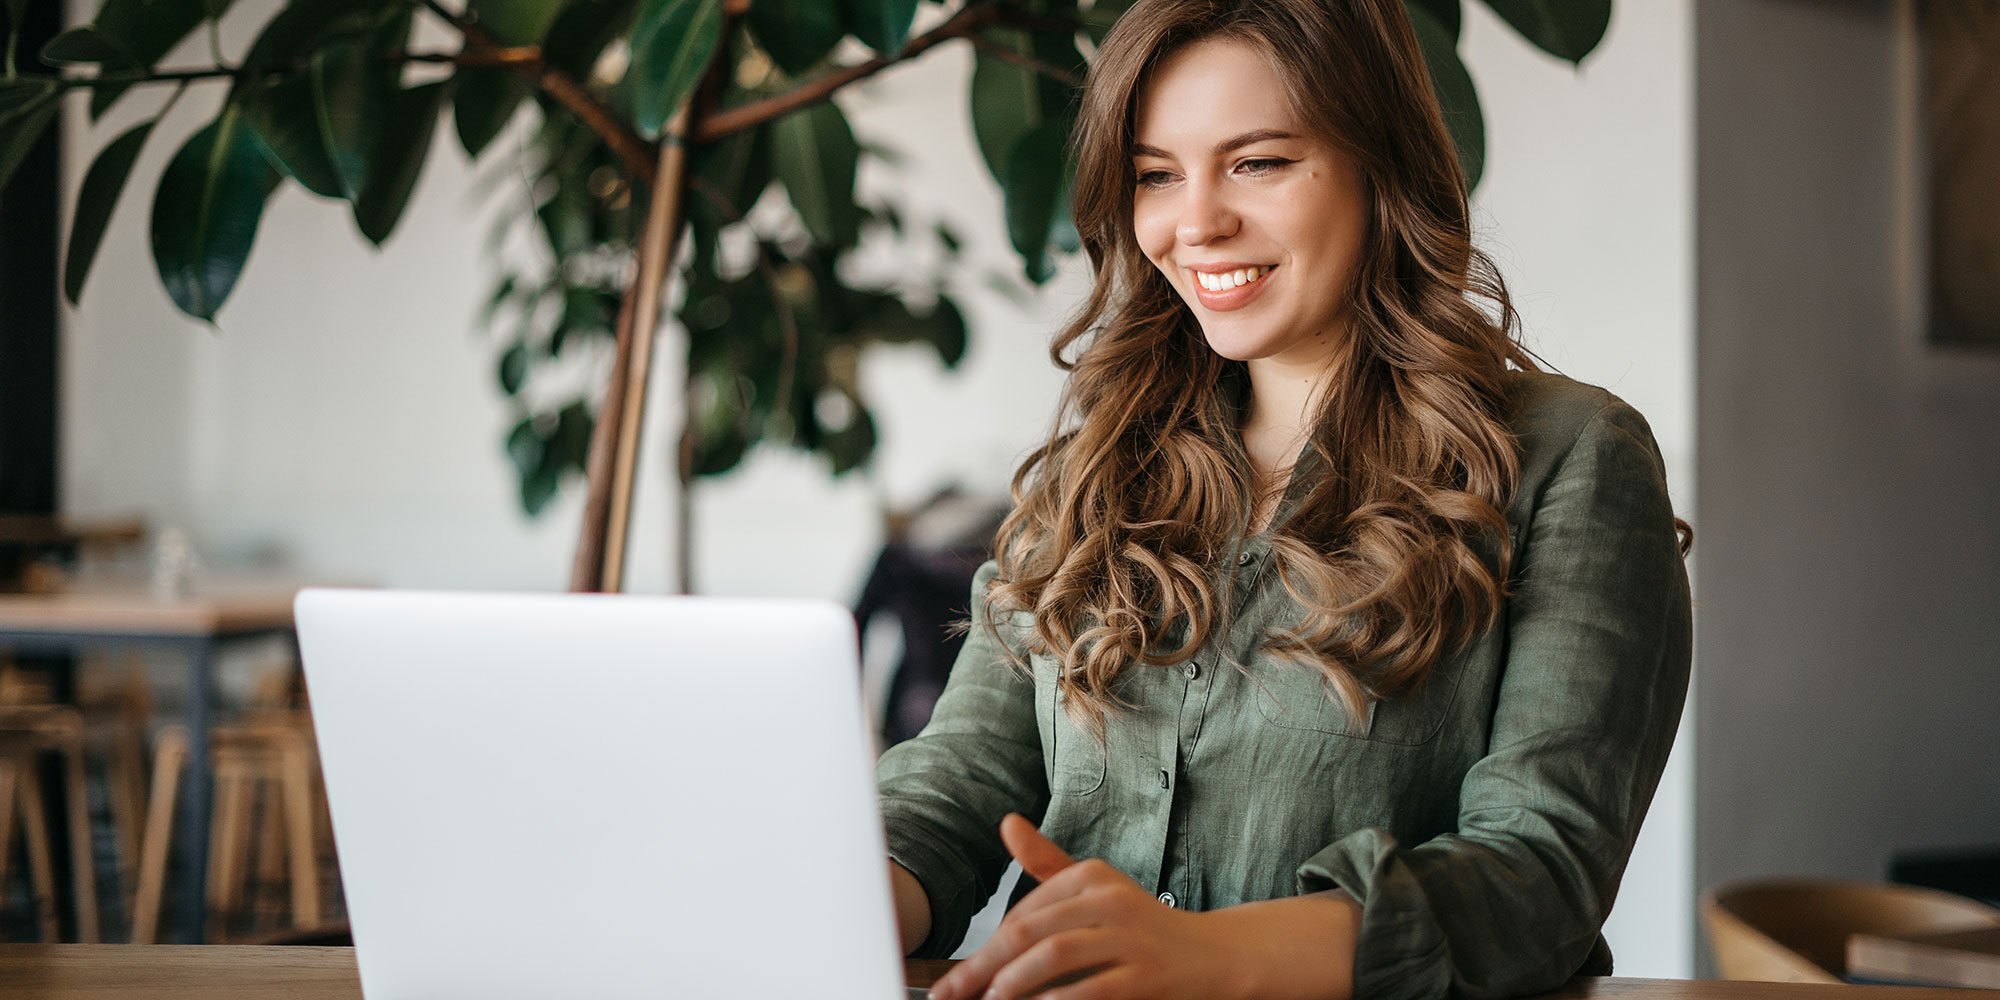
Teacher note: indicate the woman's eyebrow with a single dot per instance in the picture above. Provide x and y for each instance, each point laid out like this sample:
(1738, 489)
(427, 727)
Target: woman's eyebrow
(1230, 144)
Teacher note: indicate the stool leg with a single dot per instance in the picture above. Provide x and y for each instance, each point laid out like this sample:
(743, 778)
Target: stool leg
(125, 775)
(83, 867)
(41, 869)
(296, 783)
(225, 856)
(7, 791)
(167, 761)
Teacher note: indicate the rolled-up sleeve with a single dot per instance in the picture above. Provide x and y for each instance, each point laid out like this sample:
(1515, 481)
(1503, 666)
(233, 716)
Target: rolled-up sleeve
(944, 792)
(1597, 658)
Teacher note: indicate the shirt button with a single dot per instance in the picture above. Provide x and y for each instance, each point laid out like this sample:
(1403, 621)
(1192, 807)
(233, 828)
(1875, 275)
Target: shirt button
(1168, 898)
(1165, 779)
(1243, 558)
(1192, 670)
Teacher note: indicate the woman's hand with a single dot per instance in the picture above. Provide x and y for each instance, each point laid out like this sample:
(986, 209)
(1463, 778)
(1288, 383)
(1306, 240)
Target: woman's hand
(1088, 921)
(1091, 928)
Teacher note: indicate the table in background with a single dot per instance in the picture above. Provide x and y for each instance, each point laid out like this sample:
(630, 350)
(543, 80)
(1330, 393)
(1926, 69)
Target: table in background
(95, 616)
(227, 972)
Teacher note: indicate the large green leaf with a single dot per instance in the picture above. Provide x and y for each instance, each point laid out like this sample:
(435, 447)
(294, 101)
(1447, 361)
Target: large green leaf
(883, 25)
(1036, 187)
(136, 34)
(86, 46)
(583, 30)
(95, 202)
(1566, 29)
(1455, 93)
(736, 169)
(515, 22)
(406, 142)
(672, 43)
(942, 326)
(1447, 13)
(1010, 100)
(205, 214)
(301, 27)
(22, 126)
(797, 33)
(483, 102)
(282, 113)
(351, 92)
(815, 155)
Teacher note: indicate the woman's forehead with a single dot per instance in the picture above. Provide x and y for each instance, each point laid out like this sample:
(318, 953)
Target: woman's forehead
(1207, 93)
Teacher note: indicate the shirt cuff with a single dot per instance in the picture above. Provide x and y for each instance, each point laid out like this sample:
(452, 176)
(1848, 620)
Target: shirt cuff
(948, 882)
(1400, 952)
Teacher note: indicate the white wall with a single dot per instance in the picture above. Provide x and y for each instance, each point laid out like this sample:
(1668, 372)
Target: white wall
(1849, 468)
(347, 413)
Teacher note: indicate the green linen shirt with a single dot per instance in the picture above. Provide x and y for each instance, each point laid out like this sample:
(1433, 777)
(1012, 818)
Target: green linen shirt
(1483, 820)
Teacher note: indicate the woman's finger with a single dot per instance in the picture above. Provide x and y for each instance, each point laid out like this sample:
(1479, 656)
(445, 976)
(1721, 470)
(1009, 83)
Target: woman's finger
(1119, 982)
(1059, 957)
(1039, 856)
(1077, 879)
(1016, 934)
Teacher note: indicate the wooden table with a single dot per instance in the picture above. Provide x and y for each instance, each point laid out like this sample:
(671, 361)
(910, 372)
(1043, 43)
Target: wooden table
(220, 972)
(198, 625)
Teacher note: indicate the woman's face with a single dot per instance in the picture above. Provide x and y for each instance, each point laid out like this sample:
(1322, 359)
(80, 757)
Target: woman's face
(1258, 226)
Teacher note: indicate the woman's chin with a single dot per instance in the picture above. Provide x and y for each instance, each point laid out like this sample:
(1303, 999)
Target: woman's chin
(1240, 346)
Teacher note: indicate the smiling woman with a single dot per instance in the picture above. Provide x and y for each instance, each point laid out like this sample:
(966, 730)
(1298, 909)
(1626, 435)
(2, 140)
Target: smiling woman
(1342, 645)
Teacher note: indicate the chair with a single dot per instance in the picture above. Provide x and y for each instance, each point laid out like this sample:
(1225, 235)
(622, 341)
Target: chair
(26, 732)
(271, 751)
(1796, 930)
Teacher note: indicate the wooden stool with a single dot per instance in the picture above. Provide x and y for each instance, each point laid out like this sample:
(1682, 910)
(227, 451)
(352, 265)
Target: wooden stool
(271, 751)
(117, 707)
(25, 733)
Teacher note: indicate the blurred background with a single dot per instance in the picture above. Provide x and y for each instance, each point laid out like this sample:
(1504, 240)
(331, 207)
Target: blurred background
(1724, 214)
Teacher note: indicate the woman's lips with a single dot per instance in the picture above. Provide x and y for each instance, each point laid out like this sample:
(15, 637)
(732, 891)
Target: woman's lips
(1229, 299)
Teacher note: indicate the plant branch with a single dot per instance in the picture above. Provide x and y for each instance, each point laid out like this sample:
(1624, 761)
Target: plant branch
(1006, 54)
(729, 121)
(638, 155)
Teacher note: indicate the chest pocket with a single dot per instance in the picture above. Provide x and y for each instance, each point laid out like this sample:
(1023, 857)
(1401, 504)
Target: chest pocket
(1076, 758)
(1296, 696)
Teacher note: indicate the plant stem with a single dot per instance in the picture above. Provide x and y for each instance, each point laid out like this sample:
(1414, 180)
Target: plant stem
(637, 154)
(746, 116)
(1006, 54)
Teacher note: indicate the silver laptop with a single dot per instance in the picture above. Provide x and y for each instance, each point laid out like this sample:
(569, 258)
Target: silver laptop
(542, 796)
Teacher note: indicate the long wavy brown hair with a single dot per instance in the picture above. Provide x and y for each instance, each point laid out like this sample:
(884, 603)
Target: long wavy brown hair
(1145, 484)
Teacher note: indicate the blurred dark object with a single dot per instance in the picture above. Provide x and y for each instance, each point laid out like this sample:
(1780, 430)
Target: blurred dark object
(28, 296)
(35, 547)
(1967, 871)
(923, 578)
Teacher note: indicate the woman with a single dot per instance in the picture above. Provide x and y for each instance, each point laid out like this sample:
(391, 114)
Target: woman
(1344, 645)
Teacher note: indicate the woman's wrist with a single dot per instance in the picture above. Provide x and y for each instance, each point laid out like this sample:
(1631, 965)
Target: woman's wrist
(913, 907)
(1297, 948)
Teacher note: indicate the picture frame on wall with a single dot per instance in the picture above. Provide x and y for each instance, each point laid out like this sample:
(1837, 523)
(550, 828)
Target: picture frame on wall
(1959, 104)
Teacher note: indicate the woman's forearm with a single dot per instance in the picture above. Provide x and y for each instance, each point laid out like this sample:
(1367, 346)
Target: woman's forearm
(913, 907)
(1296, 948)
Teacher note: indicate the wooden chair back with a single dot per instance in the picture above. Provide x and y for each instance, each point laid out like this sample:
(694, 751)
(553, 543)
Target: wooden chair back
(1796, 930)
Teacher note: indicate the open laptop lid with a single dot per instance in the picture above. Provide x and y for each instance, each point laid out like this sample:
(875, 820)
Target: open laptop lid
(576, 795)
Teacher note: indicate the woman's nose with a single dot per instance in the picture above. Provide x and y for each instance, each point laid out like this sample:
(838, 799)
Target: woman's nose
(1205, 215)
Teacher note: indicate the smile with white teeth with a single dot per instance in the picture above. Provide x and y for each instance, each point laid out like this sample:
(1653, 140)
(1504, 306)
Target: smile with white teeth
(1225, 280)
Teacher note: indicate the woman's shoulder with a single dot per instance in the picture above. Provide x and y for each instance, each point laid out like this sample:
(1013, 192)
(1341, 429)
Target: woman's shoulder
(1551, 414)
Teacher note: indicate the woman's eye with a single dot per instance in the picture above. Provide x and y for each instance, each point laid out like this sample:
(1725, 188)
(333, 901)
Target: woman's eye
(1261, 166)
(1154, 178)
